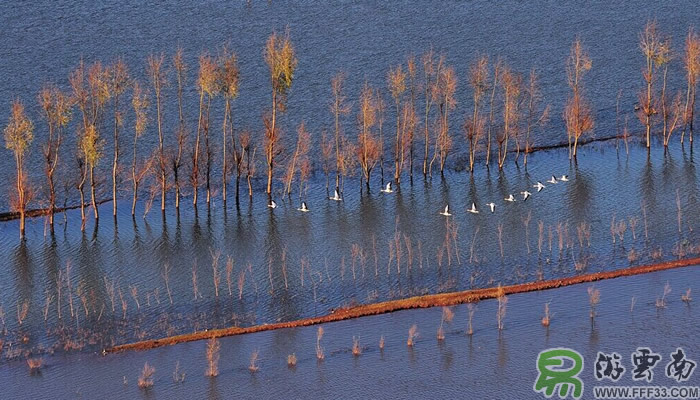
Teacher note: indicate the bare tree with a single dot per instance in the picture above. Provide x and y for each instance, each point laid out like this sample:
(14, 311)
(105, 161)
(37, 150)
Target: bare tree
(675, 117)
(158, 77)
(662, 60)
(397, 86)
(650, 44)
(380, 109)
(118, 83)
(228, 83)
(81, 97)
(56, 107)
(511, 83)
(326, 155)
(691, 62)
(181, 135)
(429, 69)
(299, 158)
(494, 84)
(92, 144)
(535, 115)
(19, 134)
(411, 120)
(577, 112)
(139, 102)
(368, 146)
(446, 86)
(282, 62)
(338, 107)
(250, 160)
(206, 83)
(478, 80)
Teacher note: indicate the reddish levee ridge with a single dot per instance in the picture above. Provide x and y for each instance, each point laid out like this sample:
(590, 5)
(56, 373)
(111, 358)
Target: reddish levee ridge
(433, 300)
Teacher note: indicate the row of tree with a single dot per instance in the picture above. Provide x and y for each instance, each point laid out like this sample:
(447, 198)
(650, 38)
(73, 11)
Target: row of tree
(507, 110)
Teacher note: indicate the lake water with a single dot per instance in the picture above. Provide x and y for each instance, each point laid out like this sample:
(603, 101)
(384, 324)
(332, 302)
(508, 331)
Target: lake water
(370, 247)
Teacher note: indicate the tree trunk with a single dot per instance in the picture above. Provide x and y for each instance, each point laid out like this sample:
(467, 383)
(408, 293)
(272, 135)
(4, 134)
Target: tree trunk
(92, 192)
(270, 150)
(195, 158)
(397, 171)
(116, 157)
(223, 152)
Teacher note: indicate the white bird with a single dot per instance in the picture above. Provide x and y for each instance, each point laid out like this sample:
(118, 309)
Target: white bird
(510, 198)
(539, 186)
(552, 180)
(387, 189)
(336, 196)
(564, 178)
(272, 204)
(473, 210)
(525, 194)
(303, 207)
(446, 212)
(492, 206)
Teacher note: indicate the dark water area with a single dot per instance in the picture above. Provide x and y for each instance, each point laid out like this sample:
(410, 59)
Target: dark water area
(66, 295)
(285, 264)
(44, 41)
(487, 365)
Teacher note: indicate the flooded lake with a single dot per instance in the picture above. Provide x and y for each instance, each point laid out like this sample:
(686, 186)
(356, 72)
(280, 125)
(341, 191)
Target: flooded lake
(458, 366)
(68, 294)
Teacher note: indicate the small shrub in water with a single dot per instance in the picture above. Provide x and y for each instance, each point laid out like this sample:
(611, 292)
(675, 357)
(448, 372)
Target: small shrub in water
(254, 362)
(412, 335)
(292, 360)
(686, 297)
(356, 349)
(146, 378)
(34, 364)
(213, 347)
(545, 319)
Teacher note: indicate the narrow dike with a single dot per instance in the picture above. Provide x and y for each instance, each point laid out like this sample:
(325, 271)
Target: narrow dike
(433, 300)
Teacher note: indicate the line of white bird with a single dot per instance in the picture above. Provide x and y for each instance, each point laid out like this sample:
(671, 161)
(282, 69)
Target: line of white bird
(511, 199)
(446, 211)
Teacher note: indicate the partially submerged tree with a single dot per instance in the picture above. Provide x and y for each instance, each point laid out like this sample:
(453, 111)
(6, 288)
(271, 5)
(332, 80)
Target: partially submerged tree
(206, 85)
(19, 134)
(91, 142)
(228, 84)
(662, 60)
(410, 113)
(118, 83)
(367, 146)
(380, 107)
(494, 84)
(430, 70)
(338, 107)
(81, 98)
(446, 86)
(158, 78)
(478, 80)
(535, 115)
(691, 62)
(91, 147)
(577, 112)
(139, 102)
(675, 117)
(282, 62)
(181, 133)
(511, 83)
(397, 86)
(299, 159)
(249, 154)
(650, 43)
(56, 107)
